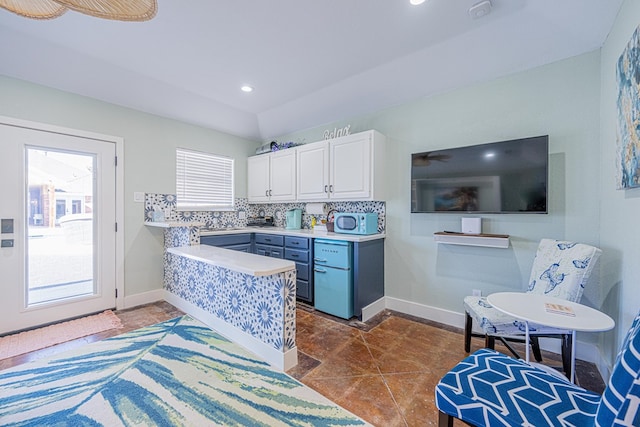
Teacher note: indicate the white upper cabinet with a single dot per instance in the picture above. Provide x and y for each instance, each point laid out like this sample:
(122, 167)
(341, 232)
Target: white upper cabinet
(345, 168)
(283, 176)
(313, 173)
(272, 177)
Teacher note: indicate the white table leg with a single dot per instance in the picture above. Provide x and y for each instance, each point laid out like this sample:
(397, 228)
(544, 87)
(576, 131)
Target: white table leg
(526, 341)
(573, 356)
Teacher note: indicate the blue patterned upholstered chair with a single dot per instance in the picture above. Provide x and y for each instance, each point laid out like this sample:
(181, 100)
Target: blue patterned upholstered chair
(491, 389)
(560, 269)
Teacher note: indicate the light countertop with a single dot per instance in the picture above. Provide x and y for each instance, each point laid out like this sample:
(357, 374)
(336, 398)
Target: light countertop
(171, 224)
(255, 265)
(296, 233)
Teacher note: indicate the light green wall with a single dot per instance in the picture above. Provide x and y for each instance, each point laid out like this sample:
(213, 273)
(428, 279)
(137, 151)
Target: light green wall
(149, 159)
(620, 209)
(561, 100)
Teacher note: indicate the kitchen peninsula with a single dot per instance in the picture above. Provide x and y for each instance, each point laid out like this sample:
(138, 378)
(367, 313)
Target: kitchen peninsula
(199, 261)
(246, 297)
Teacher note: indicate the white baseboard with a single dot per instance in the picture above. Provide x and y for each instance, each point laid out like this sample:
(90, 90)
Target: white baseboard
(435, 314)
(584, 351)
(283, 361)
(372, 309)
(143, 298)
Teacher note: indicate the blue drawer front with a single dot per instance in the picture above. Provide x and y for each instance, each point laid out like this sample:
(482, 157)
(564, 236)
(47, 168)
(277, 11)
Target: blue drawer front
(269, 239)
(229, 239)
(302, 271)
(303, 290)
(296, 242)
(335, 253)
(296, 255)
(272, 251)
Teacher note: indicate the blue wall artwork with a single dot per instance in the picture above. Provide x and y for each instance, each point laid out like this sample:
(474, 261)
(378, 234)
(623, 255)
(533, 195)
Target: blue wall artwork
(628, 103)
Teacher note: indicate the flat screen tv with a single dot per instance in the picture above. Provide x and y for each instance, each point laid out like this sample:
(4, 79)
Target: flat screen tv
(500, 177)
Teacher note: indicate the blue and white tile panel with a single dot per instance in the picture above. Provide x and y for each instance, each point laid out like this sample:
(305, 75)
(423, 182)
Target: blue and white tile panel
(263, 307)
(167, 203)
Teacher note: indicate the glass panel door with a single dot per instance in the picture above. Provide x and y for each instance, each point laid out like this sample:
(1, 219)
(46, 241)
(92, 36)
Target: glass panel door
(58, 258)
(60, 255)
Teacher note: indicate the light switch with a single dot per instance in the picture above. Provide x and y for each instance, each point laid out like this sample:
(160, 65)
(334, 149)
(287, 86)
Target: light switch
(138, 196)
(6, 225)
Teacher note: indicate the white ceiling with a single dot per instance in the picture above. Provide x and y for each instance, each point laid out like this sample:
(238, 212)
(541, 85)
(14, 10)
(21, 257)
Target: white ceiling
(311, 62)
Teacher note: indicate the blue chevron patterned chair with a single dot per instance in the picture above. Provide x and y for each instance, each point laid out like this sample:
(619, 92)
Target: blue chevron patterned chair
(560, 269)
(491, 389)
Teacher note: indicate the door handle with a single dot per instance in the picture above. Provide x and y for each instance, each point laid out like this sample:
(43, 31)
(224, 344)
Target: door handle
(319, 260)
(270, 193)
(266, 193)
(331, 188)
(295, 256)
(317, 270)
(326, 187)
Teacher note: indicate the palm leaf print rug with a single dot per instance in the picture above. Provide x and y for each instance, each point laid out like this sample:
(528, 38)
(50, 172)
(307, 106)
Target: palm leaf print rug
(174, 373)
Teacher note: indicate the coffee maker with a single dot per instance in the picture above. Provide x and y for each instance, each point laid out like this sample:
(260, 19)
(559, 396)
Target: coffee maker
(294, 219)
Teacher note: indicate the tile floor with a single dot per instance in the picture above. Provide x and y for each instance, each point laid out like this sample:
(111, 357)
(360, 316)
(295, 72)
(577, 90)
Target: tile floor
(384, 370)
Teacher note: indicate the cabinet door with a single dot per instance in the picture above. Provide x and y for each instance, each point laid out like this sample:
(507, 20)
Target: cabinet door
(313, 171)
(258, 178)
(283, 176)
(350, 161)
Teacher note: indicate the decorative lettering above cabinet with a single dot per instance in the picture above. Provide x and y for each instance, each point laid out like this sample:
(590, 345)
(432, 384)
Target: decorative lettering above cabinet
(346, 168)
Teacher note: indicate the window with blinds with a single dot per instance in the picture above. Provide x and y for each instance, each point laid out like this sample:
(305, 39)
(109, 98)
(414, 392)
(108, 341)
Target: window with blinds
(204, 182)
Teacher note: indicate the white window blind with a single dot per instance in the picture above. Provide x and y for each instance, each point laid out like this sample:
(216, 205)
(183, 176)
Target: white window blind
(204, 181)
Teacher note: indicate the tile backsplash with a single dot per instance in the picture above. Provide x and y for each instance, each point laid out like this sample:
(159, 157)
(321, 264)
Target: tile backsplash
(166, 203)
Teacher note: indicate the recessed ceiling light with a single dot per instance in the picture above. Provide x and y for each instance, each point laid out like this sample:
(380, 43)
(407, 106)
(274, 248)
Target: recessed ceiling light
(489, 155)
(416, 2)
(246, 88)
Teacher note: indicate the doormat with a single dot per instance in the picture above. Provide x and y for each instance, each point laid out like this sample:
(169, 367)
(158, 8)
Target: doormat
(36, 339)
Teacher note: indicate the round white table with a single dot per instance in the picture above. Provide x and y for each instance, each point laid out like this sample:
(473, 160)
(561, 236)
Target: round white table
(541, 309)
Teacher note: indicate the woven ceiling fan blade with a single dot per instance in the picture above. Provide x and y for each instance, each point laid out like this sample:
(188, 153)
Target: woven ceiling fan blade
(35, 9)
(121, 10)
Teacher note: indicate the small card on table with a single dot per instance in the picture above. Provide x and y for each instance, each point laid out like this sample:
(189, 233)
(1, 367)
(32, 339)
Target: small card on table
(559, 309)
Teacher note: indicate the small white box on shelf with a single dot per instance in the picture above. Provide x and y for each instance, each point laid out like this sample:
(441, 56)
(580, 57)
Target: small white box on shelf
(472, 225)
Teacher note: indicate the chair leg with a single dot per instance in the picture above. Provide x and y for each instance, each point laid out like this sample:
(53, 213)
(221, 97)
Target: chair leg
(567, 341)
(444, 420)
(490, 342)
(468, 324)
(535, 348)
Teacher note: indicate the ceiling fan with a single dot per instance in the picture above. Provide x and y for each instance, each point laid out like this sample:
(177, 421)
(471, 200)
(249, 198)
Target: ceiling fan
(120, 10)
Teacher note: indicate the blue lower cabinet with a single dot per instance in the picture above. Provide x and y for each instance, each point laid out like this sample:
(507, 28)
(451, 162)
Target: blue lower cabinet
(299, 249)
(269, 250)
(236, 242)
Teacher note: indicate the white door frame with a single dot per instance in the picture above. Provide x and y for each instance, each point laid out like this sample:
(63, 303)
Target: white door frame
(119, 143)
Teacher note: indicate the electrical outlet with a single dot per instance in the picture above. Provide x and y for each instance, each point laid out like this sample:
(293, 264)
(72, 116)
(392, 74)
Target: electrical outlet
(477, 293)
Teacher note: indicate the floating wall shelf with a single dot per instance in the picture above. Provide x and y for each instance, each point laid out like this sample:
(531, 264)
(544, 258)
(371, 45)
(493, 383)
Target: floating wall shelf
(486, 240)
